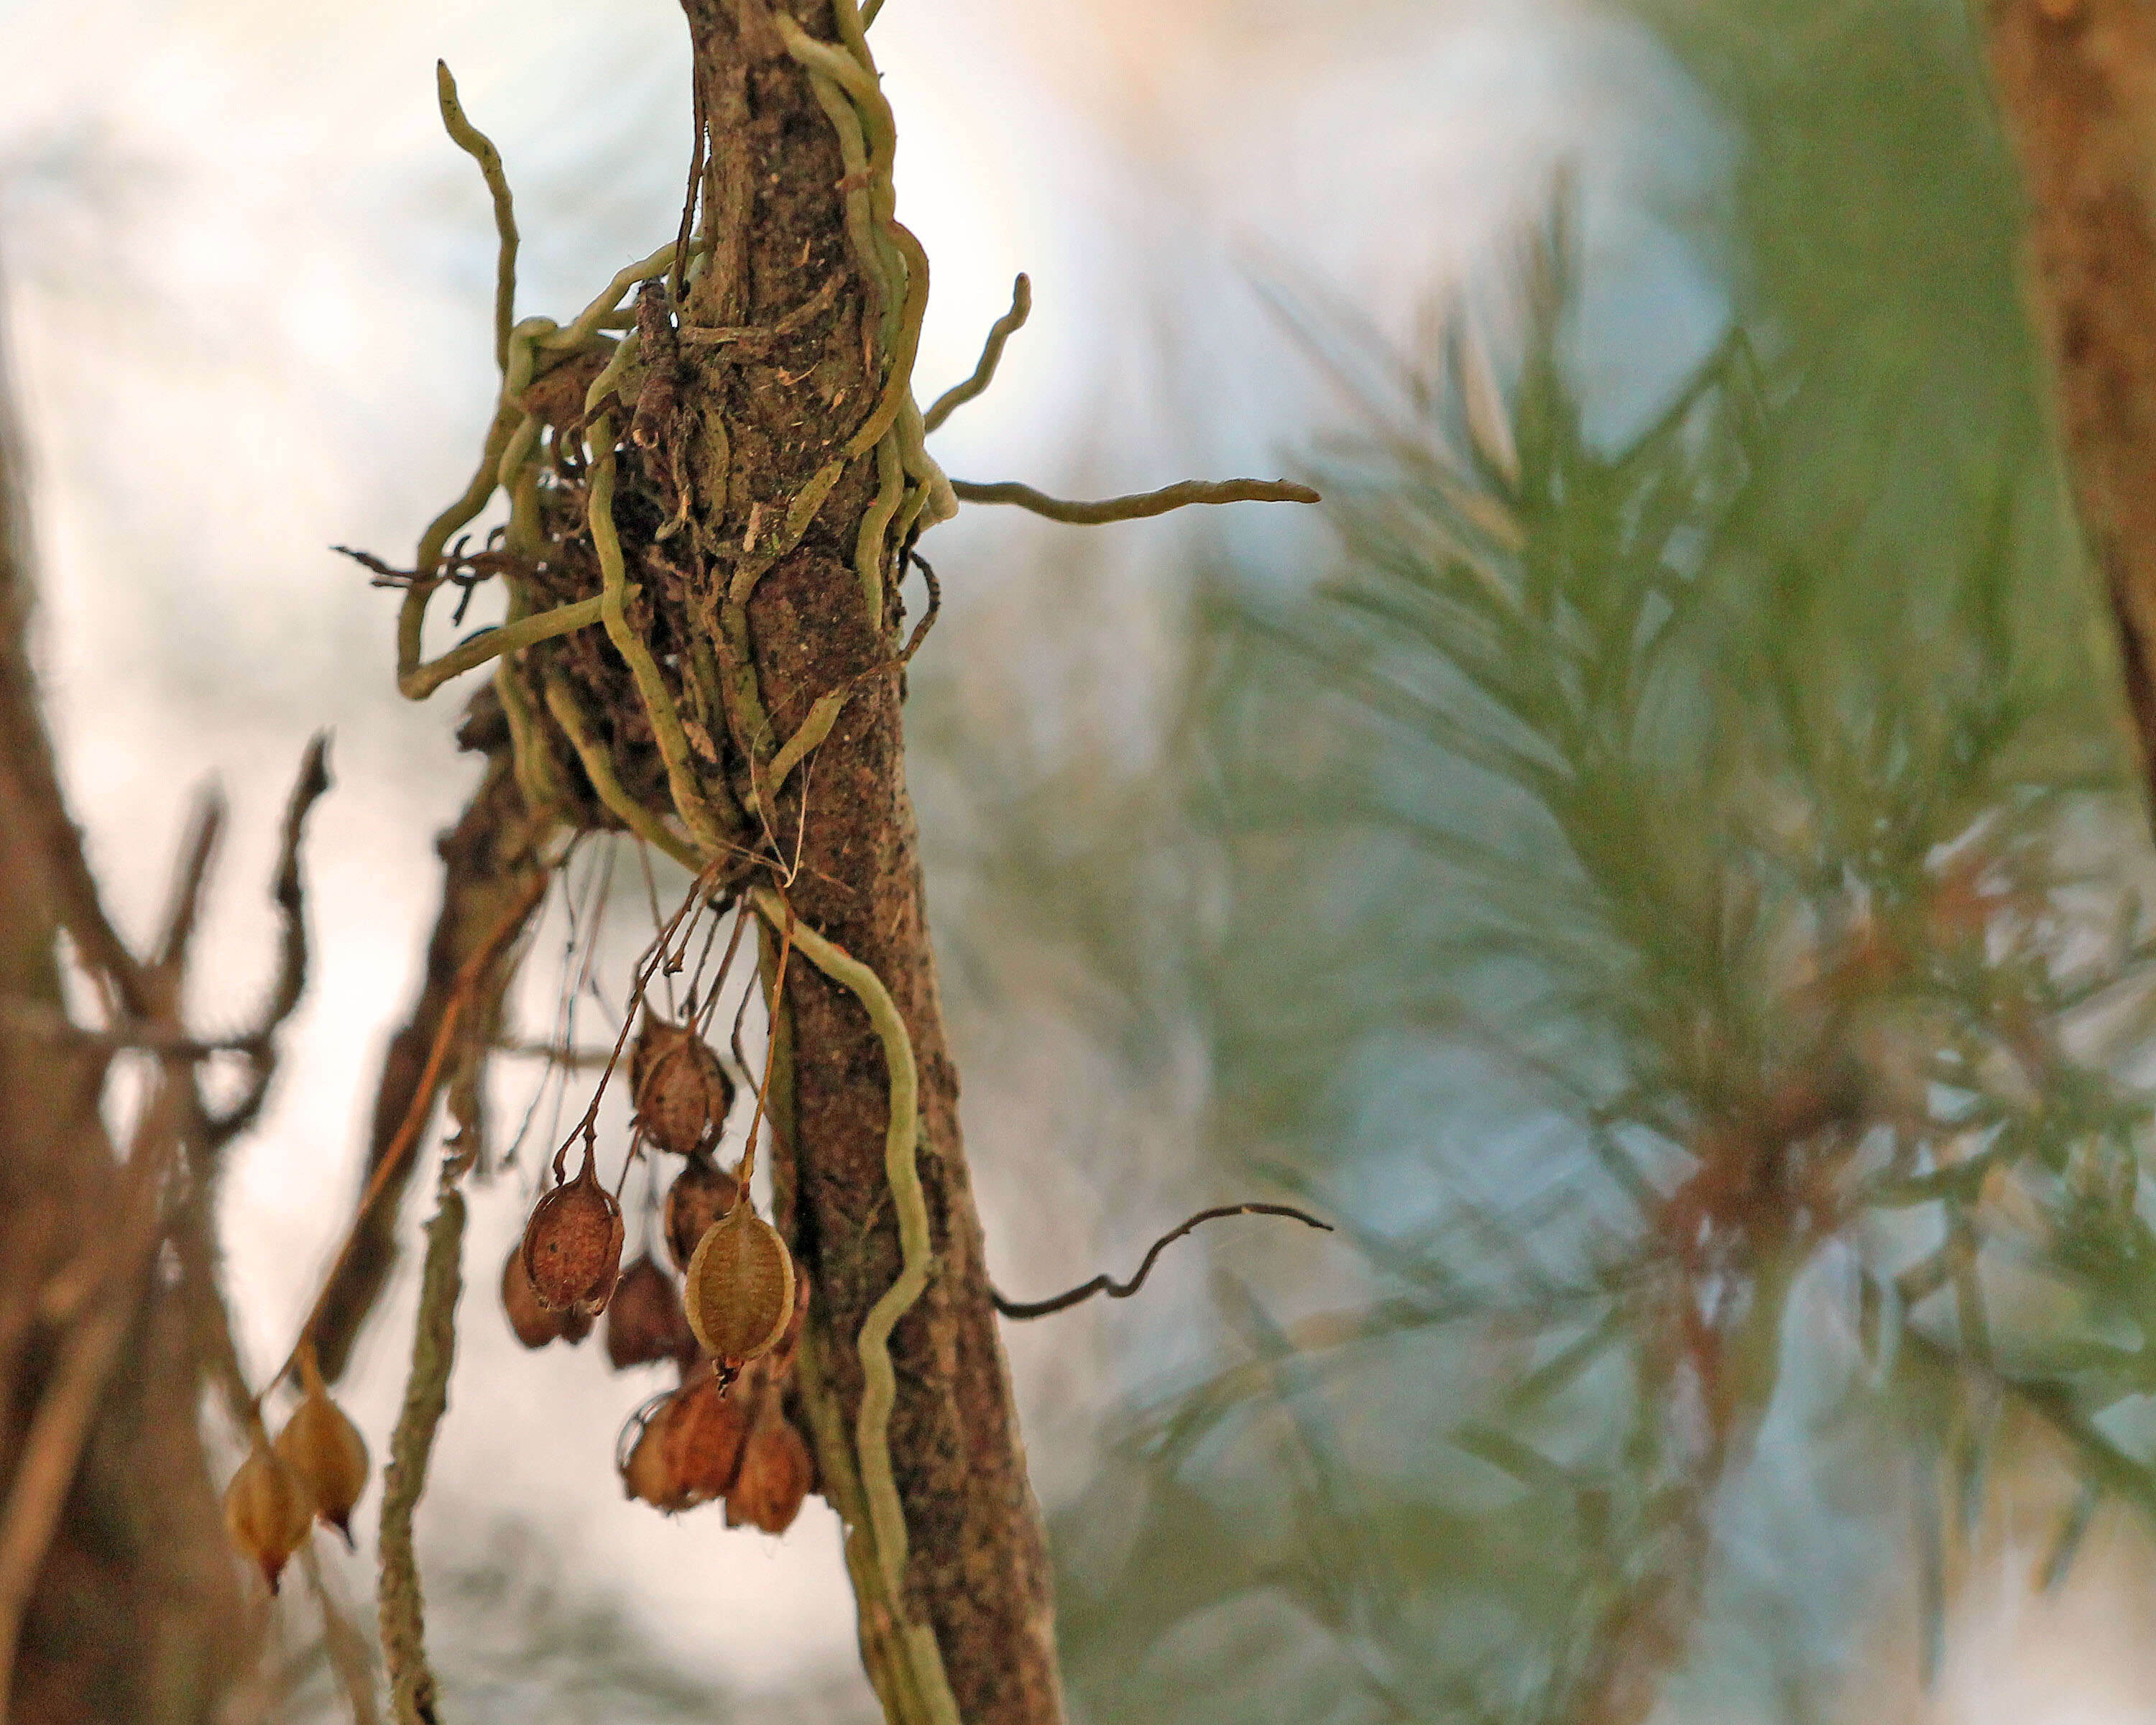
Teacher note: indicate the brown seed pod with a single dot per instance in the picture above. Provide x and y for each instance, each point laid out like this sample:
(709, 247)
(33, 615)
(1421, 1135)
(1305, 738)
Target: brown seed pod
(322, 1447)
(644, 1320)
(740, 1291)
(267, 1510)
(682, 1092)
(686, 1450)
(701, 1193)
(775, 1473)
(647, 1472)
(535, 1325)
(572, 1243)
(704, 1438)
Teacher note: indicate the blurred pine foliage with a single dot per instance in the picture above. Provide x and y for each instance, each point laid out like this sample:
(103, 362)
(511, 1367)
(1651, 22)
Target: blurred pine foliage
(1676, 896)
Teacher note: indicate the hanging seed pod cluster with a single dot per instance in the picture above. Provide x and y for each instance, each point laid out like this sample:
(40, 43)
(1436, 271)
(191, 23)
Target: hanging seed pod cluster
(726, 1316)
(315, 1469)
(729, 1433)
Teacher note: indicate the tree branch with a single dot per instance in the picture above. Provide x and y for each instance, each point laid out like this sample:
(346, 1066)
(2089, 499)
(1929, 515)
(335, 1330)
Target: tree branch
(2075, 81)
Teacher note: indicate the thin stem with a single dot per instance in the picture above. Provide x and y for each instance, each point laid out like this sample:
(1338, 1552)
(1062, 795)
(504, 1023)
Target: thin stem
(879, 1379)
(1138, 504)
(992, 353)
(666, 731)
(423, 1102)
(476, 144)
(598, 768)
(426, 1394)
(1106, 1284)
(422, 680)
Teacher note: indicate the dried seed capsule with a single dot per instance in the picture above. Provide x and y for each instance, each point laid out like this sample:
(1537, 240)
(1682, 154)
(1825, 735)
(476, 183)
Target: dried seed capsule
(688, 1450)
(267, 1510)
(646, 1469)
(644, 1320)
(324, 1448)
(572, 1243)
(682, 1092)
(740, 1292)
(701, 1193)
(776, 1471)
(647, 1476)
(534, 1323)
(705, 1436)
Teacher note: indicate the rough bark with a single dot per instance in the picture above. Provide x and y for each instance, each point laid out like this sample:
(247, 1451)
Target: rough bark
(704, 555)
(2075, 81)
(978, 1570)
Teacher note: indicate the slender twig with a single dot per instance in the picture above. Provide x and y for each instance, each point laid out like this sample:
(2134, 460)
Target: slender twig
(183, 905)
(426, 1394)
(288, 892)
(286, 889)
(1106, 1284)
(51, 834)
(1137, 506)
(576, 1060)
(342, 1640)
(423, 1102)
(757, 336)
(681, 238)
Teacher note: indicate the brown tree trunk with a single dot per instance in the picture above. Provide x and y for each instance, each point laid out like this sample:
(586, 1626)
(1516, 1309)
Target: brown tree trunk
(709, 522)
(2075, 81)
(978, 1572)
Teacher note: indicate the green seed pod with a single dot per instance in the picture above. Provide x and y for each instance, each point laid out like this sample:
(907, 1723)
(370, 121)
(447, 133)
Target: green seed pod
(322, 1447)
(268, 1512)
(740, 1291)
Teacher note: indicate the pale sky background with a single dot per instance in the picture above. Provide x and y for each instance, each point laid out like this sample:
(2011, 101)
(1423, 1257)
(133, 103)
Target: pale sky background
(248, 285)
